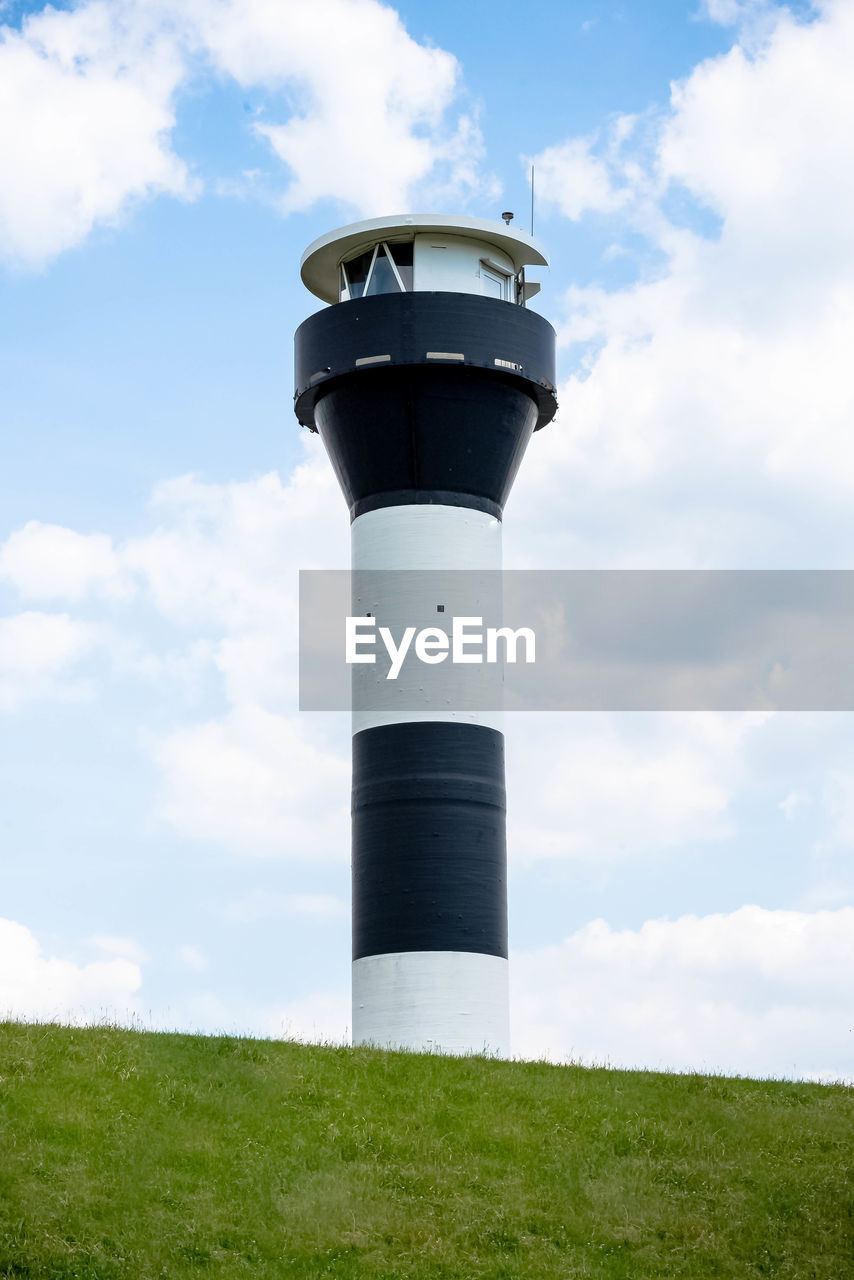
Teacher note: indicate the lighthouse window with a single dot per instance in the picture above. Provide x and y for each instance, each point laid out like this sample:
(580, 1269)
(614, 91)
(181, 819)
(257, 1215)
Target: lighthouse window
(356, 273)
(374, 272)
(401, 255)
(383, 277)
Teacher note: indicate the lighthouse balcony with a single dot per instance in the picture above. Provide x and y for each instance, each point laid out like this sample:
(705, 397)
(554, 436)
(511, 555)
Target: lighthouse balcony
(395, 331)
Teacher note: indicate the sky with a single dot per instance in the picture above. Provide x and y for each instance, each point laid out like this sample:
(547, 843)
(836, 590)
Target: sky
(174, 833)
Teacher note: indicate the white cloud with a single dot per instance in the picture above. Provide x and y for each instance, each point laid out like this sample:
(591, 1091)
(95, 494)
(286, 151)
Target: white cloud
(761, 156)
(256, 782)
(368, 124)
(183, 668)
(87, 109)
(727, 12)
(323, 1016)
(604, 789)
(193, 958)
(47, 561)
(114, 945)
(708, 422)
(223, 558)
(36, 652)
(222, 569)
(35, 985)
(575, 180)
(754, 992)
(794, 803)
(229, 554)
(832, 852)
(226, 559)
(85, 112)
(838, 797)
(755, 19)
(260, 904)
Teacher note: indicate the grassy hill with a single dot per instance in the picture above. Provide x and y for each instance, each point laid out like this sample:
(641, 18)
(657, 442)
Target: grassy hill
(128, 1154)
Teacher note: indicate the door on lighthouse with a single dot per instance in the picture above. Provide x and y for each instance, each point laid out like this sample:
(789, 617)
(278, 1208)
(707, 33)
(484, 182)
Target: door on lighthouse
(494, 283)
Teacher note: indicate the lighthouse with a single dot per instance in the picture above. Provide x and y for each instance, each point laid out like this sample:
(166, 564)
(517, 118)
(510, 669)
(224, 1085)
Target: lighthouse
(425, 376)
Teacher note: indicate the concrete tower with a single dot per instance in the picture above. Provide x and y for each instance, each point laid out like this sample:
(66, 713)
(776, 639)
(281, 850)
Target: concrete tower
(426, 379)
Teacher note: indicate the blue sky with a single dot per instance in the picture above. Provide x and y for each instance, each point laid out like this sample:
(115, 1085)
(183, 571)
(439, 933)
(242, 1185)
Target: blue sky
(174, 834)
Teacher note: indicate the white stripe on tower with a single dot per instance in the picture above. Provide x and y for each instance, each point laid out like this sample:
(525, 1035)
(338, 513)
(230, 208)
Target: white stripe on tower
(430, 537)
(402, 1000)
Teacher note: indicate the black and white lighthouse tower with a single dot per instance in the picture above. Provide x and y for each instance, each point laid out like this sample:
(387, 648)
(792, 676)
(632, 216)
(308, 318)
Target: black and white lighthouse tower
(426, 378)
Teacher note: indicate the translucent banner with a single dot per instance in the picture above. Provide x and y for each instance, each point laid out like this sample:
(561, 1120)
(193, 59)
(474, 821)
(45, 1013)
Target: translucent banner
(422, 642)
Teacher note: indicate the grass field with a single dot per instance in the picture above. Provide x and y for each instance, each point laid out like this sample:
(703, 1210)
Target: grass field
(133, 1154)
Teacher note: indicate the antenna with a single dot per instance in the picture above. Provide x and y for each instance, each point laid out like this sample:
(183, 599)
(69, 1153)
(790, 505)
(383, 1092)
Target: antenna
(532, 200)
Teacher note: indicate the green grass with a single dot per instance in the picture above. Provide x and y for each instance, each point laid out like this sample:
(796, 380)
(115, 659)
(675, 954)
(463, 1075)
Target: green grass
(132, 1154)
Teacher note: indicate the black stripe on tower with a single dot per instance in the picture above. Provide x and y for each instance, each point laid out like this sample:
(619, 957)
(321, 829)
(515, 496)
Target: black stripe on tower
(429, 853)
(425, 397)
